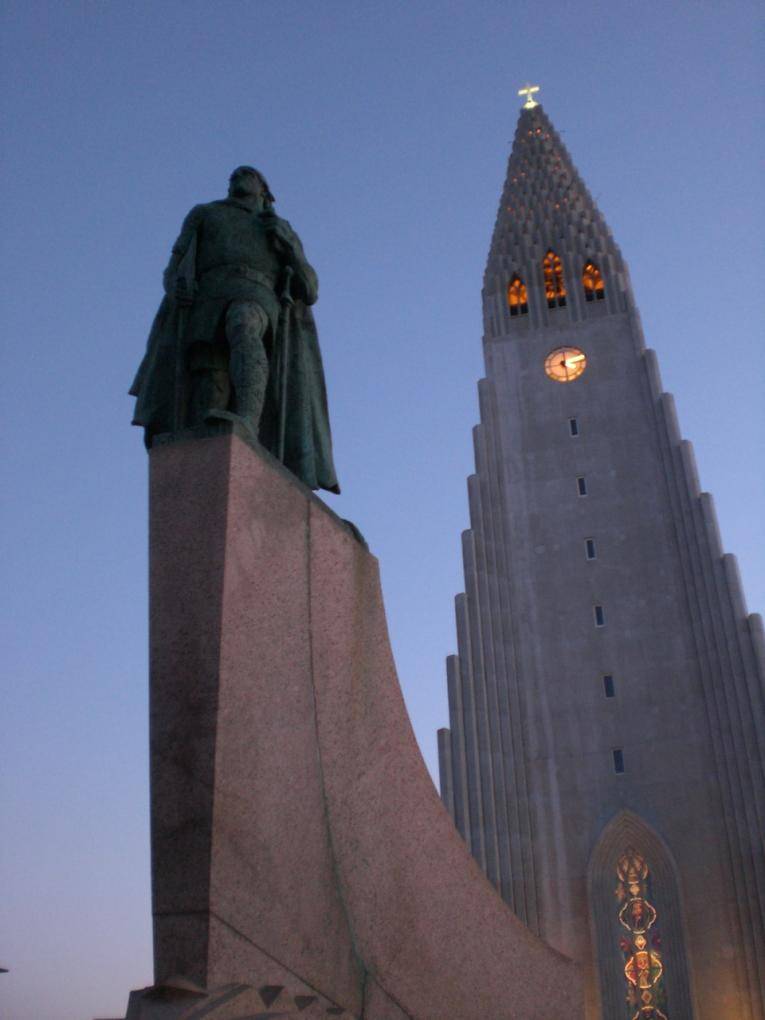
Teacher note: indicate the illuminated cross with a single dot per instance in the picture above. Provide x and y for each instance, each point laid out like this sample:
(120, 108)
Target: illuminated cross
(529, 93)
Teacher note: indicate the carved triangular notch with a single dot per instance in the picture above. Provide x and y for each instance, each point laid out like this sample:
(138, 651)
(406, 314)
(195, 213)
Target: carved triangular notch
(304, 1001)
(269, 993)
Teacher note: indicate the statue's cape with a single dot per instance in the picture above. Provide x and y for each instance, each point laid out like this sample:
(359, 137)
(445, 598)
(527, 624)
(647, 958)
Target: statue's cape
(308, 442)
(307, 439)
(154, 383)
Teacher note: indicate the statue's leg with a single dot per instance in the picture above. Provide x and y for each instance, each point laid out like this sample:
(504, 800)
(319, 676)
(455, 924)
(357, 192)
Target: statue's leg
(210, 385)
(246, 325)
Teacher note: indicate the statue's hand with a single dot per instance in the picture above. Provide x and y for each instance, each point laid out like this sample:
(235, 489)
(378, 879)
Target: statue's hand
(280, 236)
(182, 295)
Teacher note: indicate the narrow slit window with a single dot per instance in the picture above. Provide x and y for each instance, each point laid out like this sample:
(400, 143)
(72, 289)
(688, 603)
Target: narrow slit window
(573, 426)
(517, 296)
(555, 288)
(589, 548)
(581, 485)
(592, 281)
(600, 616)
(618, 760)
(608, 686)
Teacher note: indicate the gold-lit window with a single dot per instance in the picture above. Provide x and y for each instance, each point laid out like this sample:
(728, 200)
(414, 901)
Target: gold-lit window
(565, 364)
(555, 288)
(517, 298)
(594, 288)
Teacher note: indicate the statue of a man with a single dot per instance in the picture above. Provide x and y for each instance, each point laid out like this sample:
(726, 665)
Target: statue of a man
(234, 337)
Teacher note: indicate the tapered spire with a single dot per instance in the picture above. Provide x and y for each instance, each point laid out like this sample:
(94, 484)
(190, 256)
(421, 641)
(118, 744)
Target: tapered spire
(546, 207)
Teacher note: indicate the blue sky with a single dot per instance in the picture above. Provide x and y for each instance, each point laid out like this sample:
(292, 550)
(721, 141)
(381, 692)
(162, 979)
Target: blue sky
(384, 131)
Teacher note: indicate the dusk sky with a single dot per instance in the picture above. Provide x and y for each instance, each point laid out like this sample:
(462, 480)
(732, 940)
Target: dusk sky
(383, 129)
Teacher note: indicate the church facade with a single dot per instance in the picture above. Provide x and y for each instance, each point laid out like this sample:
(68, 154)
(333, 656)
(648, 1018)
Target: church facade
(604, 758)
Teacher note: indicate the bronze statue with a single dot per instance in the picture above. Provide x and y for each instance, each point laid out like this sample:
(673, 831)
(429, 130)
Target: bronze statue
(234, 338)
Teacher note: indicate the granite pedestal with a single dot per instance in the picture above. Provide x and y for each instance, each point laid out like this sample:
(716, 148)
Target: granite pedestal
(298, 844)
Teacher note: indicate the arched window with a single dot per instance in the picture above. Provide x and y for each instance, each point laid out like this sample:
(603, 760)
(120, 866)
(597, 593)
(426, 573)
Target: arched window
(555, 289)
(638, 929)
(594, 289)
(517, 297)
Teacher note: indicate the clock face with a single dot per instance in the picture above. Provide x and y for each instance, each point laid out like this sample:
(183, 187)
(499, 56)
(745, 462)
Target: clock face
(565, 364)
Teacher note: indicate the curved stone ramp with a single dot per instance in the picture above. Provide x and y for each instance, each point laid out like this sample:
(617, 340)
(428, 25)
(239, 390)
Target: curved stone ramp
(297, 837)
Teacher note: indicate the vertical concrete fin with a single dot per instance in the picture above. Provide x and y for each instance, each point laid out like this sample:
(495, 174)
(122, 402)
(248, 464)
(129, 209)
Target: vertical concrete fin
(733, 577)
(744, 632)
(472, 554)
(709, 516)
(471, 485)
(461, 813)
(758, 644)
(463, 638)
(479, 452)
(484, 399)
(468, 546)
(487, 625)
(474, 815)
(651, 363)
(670, 418)
(445, 769)
(690, 468)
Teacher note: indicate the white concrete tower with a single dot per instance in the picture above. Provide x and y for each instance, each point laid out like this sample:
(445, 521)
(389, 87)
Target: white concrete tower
(604, 760)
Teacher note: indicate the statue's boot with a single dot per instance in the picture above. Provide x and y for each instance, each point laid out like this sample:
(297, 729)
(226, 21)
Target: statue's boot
(246, 324)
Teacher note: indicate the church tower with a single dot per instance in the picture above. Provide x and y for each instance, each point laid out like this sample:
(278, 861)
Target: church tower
(604, 761)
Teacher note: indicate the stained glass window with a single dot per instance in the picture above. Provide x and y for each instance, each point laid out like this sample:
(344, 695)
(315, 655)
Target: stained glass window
(555, 288)
(640, 941)
(594, 288)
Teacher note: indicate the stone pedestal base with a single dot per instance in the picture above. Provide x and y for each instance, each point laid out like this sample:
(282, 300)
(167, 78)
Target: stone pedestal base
(178, 999)
(297, 839)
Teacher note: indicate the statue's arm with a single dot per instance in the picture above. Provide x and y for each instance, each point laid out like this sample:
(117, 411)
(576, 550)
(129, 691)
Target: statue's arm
(188, 230)
(305, 283)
